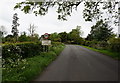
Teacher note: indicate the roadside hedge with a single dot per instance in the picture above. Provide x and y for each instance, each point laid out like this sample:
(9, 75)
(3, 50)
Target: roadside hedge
(26, 49)
(112, 44)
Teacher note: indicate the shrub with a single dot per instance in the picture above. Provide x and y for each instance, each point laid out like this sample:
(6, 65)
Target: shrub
(21, 49)
(87, 43)
(102, 45)
(96, 44)
(114, 44)
(56, 43)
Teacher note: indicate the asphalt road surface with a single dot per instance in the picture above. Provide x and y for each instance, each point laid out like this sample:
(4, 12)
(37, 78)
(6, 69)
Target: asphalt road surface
(76, 63)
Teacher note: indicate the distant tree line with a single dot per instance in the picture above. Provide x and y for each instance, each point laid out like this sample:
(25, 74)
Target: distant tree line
(73, 37)
(23, 37)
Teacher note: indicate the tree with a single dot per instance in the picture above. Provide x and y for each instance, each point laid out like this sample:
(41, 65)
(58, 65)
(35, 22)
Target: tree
(9, 38)
(15, 25)
(35, 37)
(92, 9)
(55, 37)
(75, 35)
(100, 32)
(63, 36)
(23, 37)
(32, 29)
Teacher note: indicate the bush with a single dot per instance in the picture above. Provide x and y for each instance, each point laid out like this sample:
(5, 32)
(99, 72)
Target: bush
(96, 44)
(89, 43)
(114, 44)
(56, 43)
(24, 50)
(86, 43)
(102, 45)
(21, 49)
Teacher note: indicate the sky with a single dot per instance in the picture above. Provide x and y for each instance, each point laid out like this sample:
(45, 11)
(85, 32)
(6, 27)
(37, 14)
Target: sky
(45, 24)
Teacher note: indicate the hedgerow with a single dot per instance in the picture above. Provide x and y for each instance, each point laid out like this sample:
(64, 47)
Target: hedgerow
(113, 44)
(21, 62)
(23, 50)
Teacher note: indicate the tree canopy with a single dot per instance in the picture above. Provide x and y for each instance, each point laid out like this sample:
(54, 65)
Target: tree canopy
(75, 35)
(92, 9)
(55, 37)
(63, 36)
(101, 31)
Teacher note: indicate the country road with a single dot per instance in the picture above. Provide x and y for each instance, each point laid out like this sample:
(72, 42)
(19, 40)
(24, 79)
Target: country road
(76, 63)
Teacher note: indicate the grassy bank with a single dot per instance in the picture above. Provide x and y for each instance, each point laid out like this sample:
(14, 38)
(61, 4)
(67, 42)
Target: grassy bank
(115, 55)
(31, 67)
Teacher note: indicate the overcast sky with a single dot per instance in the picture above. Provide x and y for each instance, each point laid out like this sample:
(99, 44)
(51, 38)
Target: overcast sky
(45, 24)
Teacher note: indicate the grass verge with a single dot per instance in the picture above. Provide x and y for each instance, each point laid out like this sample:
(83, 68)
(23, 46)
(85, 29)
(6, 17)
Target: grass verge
(115, 55)
(31, 67)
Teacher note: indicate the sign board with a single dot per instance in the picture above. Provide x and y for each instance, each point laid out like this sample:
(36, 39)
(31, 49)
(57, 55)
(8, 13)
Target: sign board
(46, 42)
(46, 36)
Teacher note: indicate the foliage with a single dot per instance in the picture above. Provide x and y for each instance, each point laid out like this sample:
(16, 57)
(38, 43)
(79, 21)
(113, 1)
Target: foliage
(102, 45)
(15, 25)
(114, 44)
(35, 37)
(92, 10)
(23, 37)
(23, 50)
(9, 38)
(56, 43)
(100, 31)
(24, 70)
(63, 36)
(74, 35)
(55, 37)
(86, 43)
